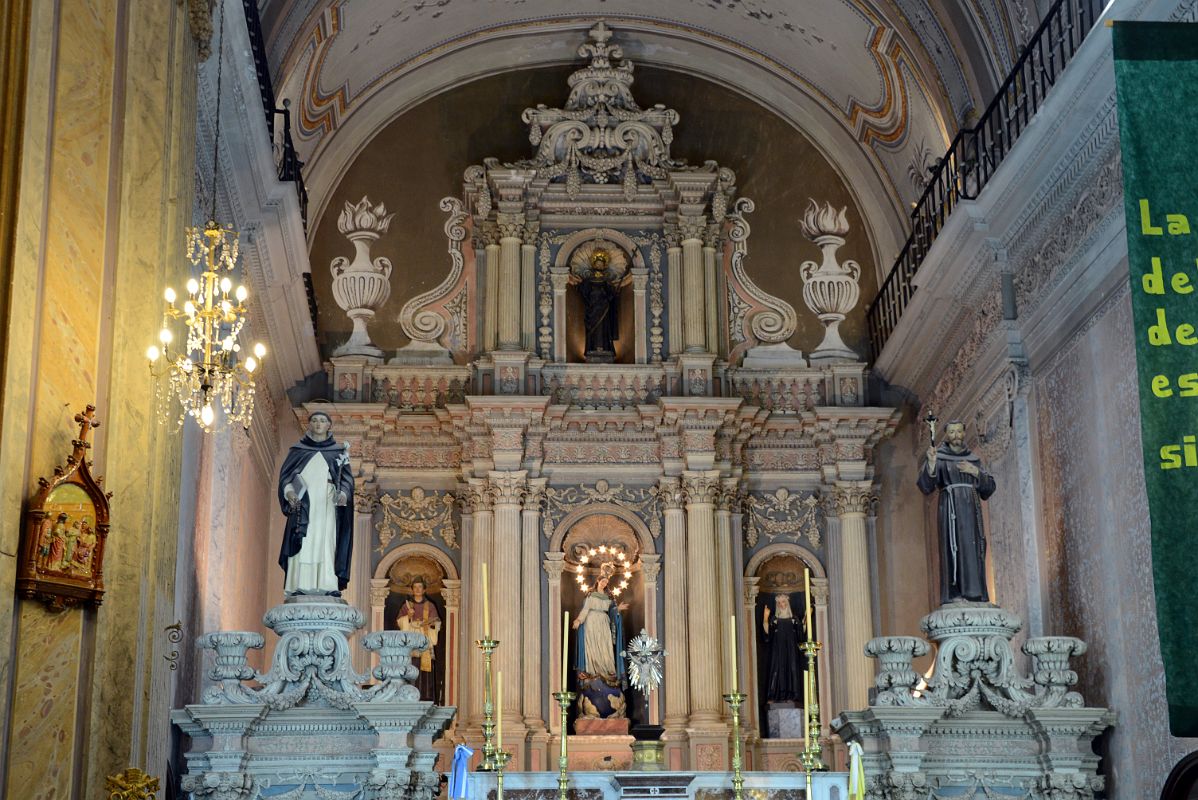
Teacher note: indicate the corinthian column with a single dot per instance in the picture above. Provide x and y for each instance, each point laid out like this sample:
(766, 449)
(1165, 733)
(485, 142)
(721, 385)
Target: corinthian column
(478, 540)
(702, 607)
(508, 490)
(675, 680)
(510, 228)
(694, 311)
(711, 240)
(365, 500)
(851, 501)
(491, 310)
(674, 290)
(533, 643)
(724, 558)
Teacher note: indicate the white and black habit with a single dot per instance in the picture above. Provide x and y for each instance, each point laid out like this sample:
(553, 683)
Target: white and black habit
(962, 537)
(318, 539)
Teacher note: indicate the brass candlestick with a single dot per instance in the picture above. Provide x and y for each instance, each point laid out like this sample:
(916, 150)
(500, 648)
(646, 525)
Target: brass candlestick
(488, 645)
(734, 699)
(563, 699)
(812, 755)
(501, 759)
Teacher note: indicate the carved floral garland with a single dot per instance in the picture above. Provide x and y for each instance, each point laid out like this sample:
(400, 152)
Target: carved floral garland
(782, 515)
(419, 514)
(642, 501)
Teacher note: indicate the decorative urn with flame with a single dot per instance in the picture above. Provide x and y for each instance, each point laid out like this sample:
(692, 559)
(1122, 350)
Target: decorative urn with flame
(362, 285)
(830, 287)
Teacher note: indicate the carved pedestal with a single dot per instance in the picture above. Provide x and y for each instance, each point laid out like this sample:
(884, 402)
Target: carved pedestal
(307, 725)
(979, 726)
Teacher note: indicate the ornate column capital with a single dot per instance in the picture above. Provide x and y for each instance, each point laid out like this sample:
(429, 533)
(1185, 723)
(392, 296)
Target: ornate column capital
(366, 498)
(672, 236)
(490, 234)
(850, 498)
(752, 588)
(692, 227)
(532, 229)
(560, 280)
(701, 487)
(510, 226)
(651, 567)
(507, 488)
(477, 496)
(451, 592)
(819, 591)
(379, 589)
(554, 564)
(669, 490)
(534, 495)
(711, 236)
(729, 496)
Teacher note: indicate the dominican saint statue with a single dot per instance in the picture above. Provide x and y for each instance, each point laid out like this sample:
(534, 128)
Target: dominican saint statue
(783, 631)
(418, 614)
(600, 298)
(963, 485)
(316, 492)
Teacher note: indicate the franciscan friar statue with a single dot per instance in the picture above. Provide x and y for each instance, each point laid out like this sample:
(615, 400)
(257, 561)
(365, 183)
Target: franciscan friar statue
(316, 492)
(963, 485)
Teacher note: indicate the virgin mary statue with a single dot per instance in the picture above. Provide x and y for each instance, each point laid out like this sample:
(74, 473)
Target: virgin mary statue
(600, 631)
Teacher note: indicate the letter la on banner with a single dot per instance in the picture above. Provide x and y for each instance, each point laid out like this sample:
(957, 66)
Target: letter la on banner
(1156, 78)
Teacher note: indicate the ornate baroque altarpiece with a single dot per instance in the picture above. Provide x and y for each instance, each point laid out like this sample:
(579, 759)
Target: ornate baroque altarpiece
(597, 369)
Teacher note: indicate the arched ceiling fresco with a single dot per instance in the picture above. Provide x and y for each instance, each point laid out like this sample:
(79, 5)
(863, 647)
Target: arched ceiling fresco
(878, 86)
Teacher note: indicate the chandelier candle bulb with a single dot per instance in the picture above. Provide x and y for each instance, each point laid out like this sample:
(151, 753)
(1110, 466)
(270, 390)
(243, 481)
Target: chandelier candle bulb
(193, 286)
(169, 294)
(241, 294)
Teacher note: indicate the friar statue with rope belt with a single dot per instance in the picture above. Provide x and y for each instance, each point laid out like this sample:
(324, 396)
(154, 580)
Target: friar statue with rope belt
(963, 485)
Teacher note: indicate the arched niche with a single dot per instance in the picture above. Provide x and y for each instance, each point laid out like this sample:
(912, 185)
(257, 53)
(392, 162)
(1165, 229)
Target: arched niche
(588, 522)
(758, 578)
(386, 592)
(631, 345)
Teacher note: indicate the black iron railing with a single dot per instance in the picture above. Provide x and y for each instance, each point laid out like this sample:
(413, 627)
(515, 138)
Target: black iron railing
(287, 161)
(975, 153)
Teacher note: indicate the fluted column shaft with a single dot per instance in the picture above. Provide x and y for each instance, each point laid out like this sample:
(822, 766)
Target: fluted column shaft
(510, 228)
(359, 584)
(675, 680)
(477, 550)
(711, 309)
(528, 286)
(726, 594)
(508, 490)
(694, 311)
(674, 293)
(491, 293)
(703, 603)
(851, 501)
(534, 633)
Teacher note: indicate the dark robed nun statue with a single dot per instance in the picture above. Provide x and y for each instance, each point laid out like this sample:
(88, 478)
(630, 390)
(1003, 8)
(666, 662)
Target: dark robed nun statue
(963, 485)
(316, 492)
(600, 299)
(783, 631)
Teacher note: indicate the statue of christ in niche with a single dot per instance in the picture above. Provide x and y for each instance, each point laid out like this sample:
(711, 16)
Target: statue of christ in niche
(601, 299)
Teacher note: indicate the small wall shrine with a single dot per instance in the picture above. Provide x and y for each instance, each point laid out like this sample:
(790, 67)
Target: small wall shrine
(598, 403)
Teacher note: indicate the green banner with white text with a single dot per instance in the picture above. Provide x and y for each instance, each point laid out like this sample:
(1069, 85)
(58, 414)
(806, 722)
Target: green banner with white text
(1156, 78)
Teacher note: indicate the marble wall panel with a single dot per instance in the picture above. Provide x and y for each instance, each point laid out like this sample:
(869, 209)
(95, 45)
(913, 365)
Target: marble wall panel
(1097, 549)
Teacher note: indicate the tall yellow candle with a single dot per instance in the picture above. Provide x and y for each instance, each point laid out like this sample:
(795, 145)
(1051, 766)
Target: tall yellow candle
(486, 605)
(807, 600)
(499, 712)
(565, 646)
(732, 648)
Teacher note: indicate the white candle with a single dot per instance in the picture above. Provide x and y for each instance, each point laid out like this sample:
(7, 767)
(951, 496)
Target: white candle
(732, 648)
(486, 605)
(565, 646)
(499, 712)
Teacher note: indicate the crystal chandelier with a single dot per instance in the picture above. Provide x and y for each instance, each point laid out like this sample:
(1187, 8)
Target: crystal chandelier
(208, 373)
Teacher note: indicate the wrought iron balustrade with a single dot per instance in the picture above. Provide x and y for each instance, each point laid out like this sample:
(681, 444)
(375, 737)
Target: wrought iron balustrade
(287, 161)
(976, 153)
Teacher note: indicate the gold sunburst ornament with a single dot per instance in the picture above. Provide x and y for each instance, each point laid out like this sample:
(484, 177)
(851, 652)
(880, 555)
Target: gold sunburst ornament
(613, 560)
(208, 375)
(132, 784)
